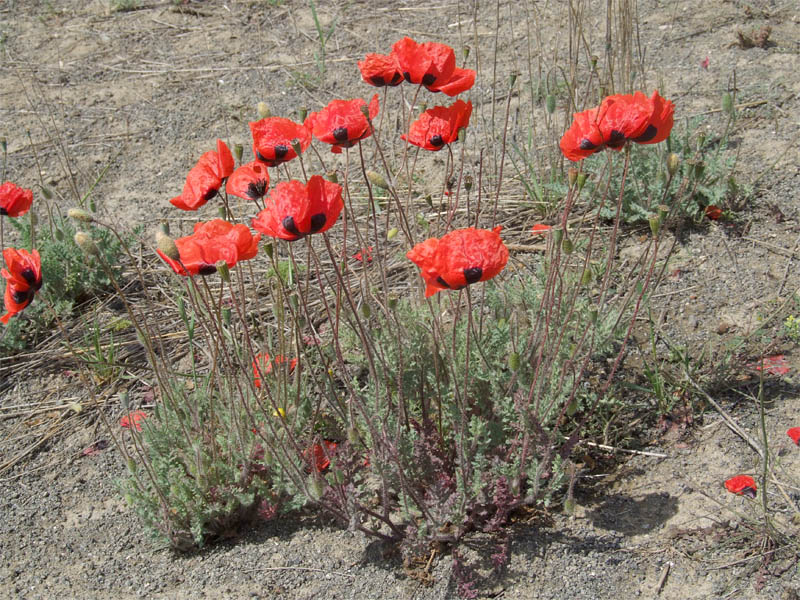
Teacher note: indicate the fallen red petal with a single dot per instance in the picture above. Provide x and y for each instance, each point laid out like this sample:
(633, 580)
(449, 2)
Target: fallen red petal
(743, 485)
(774, 365)
(794, 433)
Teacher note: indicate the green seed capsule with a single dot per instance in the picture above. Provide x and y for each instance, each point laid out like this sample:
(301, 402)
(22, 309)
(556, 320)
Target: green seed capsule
(550, 103)
(513, 361)
(727, 103)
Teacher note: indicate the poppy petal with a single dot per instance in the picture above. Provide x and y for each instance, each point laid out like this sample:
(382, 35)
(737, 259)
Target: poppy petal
(249, 181)
(742, 485)
(794, 433)
(14, 200)
(273, 137)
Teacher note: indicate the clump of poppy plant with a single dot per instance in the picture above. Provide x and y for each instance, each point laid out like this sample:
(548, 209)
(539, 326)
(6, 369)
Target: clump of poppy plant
(342, 123)
(211, 242)
(459, 258)
(439, 126)
(205, 178)
(23, 275)
(295, 210)
(14, 200)
(742, 485)
(619, 119)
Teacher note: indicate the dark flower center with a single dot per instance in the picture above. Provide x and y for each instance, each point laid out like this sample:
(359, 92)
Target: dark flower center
(586, 144)
(428, 79)
(281, 151)
(317, 222)
(407, 76)
(648, 134)
(3, 211)
(442, 282)
(206, 269)
(256, 189)
(21, 296)
(29, 276)
(377, 80)
(210, 194)
(616, 139)
(437, 141)
(340, 134)
(473, 275)
(290, 226)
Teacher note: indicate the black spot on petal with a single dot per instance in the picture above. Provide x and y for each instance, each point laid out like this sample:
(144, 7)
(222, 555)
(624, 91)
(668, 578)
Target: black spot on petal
(428, 79)
(29, 276)
(289, 225)
(437, 141)
(21, 296)
(317, 222)
(648, 135)
(340, 134)
(616, 139)
(587, 145)
(281, 151)
(396, 79)
(442, 282)
(210, 194)
(473, 275)
(407, 76)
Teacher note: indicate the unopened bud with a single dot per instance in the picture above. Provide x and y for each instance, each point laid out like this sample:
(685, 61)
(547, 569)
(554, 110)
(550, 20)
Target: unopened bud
(47, 193)
(238, 150)
(366, 310)
(581, 181)
(701, 140)
(353, 436)
(59, 234)
(222, 212)
(699, 169)
(84, 241)
(391, 233)
(165, 244)
(392, 302)
(226, 316)
(513, 361)
(224, 272)
(550, 103)
(567, 246)
(315, 488)
(593, 315)
(263, 110)
(587, 277)
(298, 149)
(468, 183)
(302, 112)
(462, 134)
(4, 144)
(365, 112)
(727, 103)
(663, 211)
(512, 79)
(572, 176)
(673, 162)
(78, 214)
(163, 227)
(377, 180)
(268, 249)
(332, 177)
(466, 52)
(558, 235)
(655, 225)
(594, 61)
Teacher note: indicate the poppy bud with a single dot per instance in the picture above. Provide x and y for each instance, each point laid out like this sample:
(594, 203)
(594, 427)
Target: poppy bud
(663, 211)
(226, 316)
(701, 140)
(593, 60)
(353, 436)
(567, 246)
(468, 183)
(123, 400)
(84, 241)
(365, 310)
(655, 224)
(558, 235)
(569, 506)
(222, 212)
(238, 149)
(263, 110)
(181, 308)
(581, 181)
(593, 315)
(268, 249)
(572, 407)
(164, 243)
(315, 488)
(164, 227)
(59, 234)
(727, 103)
(302, 113)
(466, 52)
(78, 214)
(365, 112)
(699, 169)
(422, 107)
(587, 277)
(429, 200)
(131, 466)
(673, 162)
(92, 205)
(47, 193)
(392, 232)
(572, 176)
(392, 303)
(332, 177)
(513, 361)
(462, 133)
(224, 272)
(298, 149)
(377, 180)
(550, 103)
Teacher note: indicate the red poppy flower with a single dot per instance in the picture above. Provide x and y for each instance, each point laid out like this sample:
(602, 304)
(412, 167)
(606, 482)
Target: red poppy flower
(318, 456)
(774, 365)
(342, 124)
(619, 119)
(264, 361)
(439, 125)
(433, 65)
(14, 200)
(364, 253)
(249, 181)
(742, 485)
(294, 210)
(713, 212)
(380, 70)
(459, 258)
(23, 277)
(135, 418)
(794, 433)
(205, 178)
(211, 242)
(540, 229)
(273, 138)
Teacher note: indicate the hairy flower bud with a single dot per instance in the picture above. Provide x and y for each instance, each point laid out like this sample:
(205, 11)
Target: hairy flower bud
(550, 103)
(78, 214)
(84, 241)
(263, 110)
(727, 104)
(377, 180)
(673, 162)
(167, 246)
(238, 150)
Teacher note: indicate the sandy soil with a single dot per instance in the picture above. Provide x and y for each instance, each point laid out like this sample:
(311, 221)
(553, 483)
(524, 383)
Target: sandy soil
(147, 91)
